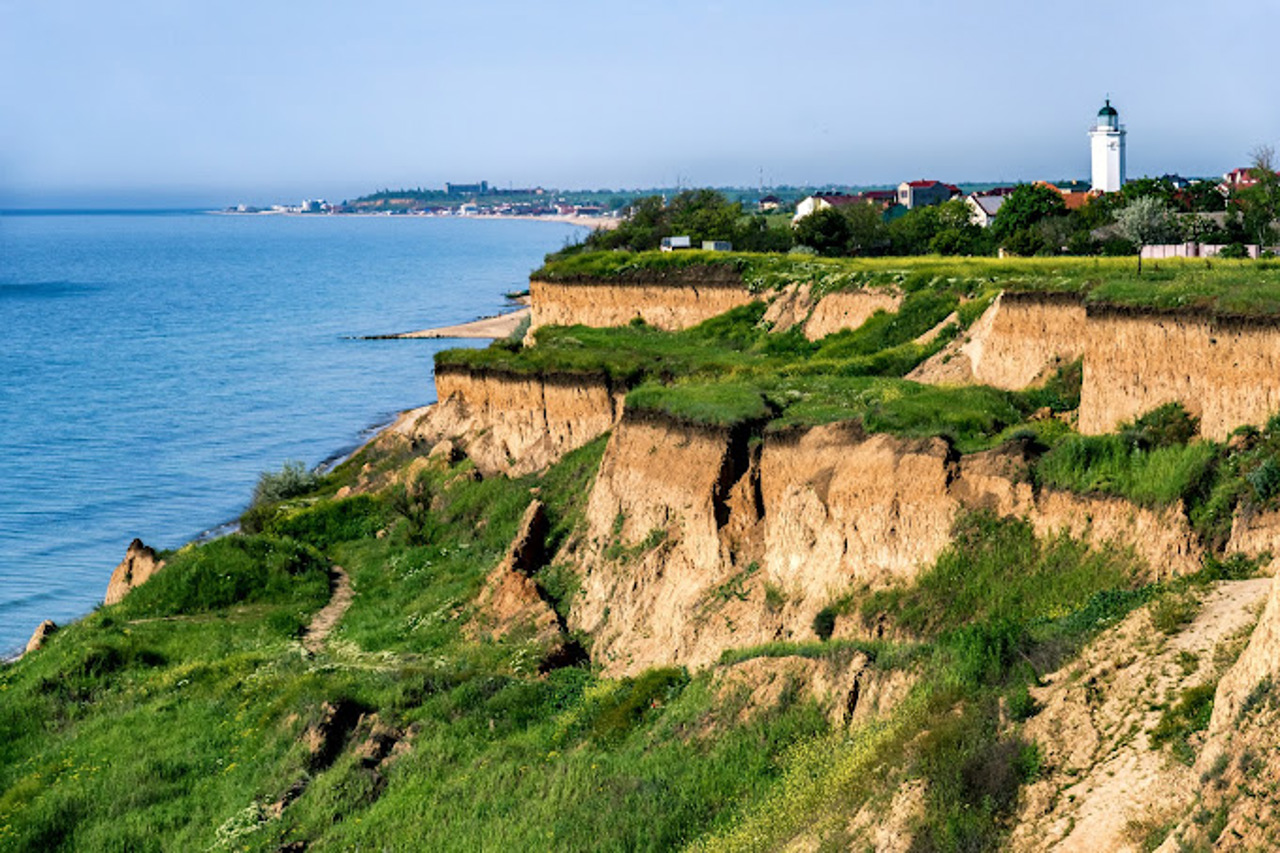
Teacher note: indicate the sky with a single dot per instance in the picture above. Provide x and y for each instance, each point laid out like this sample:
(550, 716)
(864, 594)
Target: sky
(135, 103)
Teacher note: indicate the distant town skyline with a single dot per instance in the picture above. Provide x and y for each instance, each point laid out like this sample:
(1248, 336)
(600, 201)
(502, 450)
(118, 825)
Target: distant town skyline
(153, 103)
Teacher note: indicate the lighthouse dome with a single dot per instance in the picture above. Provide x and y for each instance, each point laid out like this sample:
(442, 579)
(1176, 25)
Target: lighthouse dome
(1107, 116)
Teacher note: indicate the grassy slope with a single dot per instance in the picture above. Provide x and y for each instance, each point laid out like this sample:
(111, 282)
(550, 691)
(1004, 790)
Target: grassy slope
(172, 720)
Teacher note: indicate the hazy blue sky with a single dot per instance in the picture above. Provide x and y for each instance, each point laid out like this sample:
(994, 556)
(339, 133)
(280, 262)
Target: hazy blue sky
(218, 102)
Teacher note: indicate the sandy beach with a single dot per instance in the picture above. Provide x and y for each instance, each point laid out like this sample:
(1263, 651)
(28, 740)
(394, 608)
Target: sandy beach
(496, 326)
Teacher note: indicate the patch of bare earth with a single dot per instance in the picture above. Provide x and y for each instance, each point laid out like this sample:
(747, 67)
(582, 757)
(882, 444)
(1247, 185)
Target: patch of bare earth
(1104, 787)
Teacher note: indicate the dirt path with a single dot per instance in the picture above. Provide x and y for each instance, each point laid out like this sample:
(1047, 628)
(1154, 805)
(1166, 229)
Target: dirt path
(324, 621)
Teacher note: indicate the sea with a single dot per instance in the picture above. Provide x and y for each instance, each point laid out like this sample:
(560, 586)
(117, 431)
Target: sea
(153, 364)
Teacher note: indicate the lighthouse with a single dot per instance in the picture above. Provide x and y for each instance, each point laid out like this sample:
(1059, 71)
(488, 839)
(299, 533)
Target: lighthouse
(1106, 138)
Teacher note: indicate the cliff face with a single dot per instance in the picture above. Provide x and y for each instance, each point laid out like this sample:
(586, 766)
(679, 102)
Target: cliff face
(1018, 340)
(848, 310)
(1226, 372)
(515, 424)
(703, 539)
(667, 307)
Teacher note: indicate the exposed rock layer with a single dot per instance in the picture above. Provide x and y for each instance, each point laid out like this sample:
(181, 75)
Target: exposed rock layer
(137, 567)
(1015, 342)
(665, 306)
(513, 424)
(848, 309)
(1227, 372)
(700, 539)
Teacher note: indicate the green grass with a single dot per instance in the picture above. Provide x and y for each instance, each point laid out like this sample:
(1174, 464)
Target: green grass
(172, 720)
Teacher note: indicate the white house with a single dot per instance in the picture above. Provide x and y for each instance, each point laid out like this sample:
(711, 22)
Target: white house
(984, 207)
(821, 201)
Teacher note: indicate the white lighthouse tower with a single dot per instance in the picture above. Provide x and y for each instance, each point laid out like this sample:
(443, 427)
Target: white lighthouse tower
(1106, 138)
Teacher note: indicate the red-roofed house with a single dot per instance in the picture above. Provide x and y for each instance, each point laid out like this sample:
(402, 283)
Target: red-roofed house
(913, 194)
(1073, 200)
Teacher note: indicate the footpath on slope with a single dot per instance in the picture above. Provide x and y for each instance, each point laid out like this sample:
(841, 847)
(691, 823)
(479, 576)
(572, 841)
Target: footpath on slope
(324, 621)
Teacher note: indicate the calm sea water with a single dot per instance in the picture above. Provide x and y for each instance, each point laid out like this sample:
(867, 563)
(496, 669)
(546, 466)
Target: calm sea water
(151, 365)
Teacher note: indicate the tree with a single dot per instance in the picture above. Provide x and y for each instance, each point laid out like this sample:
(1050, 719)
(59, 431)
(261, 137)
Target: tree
(957, 233)
(1027, 205)
(1146, 221)
(703, 215)
(827, 231)
(867, 232)
(1260, 203)
(911, 233)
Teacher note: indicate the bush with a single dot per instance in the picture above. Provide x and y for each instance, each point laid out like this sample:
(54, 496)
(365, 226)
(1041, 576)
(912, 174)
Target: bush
(824, 624)
(292, 480)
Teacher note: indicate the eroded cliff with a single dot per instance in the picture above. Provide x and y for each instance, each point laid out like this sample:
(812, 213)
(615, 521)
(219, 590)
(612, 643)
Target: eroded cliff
(1227, 372)
(701, 539)
(514, 423)
(665, 306)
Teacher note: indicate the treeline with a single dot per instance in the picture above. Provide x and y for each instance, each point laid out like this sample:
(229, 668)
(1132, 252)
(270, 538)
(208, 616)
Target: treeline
(1033, 220)
(699, 214)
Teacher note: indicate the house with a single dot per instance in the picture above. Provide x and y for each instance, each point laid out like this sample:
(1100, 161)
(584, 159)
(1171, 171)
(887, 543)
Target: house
(821, 201)
(1073, 199)
(670, 244)
(985, 206)
(769, 203)
(1238, 179)
(913, 194)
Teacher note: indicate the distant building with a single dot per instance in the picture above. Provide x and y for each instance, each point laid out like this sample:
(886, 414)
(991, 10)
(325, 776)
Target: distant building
(821, 201)
(985, 206)
(466, 189)
(1074, 200)
(1106, 139)
(913, 194)
(670, 244)
(313, 205)
(769, 203)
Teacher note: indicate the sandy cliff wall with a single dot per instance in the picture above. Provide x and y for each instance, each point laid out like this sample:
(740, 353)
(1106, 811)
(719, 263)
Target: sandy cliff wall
(1018, 340)
(514, 423)
(1225, 371)
(848, 310)
(701, 539)
(666, 306)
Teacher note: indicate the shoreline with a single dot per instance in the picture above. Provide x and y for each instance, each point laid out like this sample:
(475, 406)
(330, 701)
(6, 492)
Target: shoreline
(602, 223)
(493, 327)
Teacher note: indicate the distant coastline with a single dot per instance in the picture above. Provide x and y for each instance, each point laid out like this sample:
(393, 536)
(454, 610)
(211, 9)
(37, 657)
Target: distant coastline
(606, 223)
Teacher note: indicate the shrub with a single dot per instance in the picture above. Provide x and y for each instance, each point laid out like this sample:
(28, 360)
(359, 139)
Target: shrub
(1173, 611)
(1190, 714)
(824, 624)
(292, 480)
